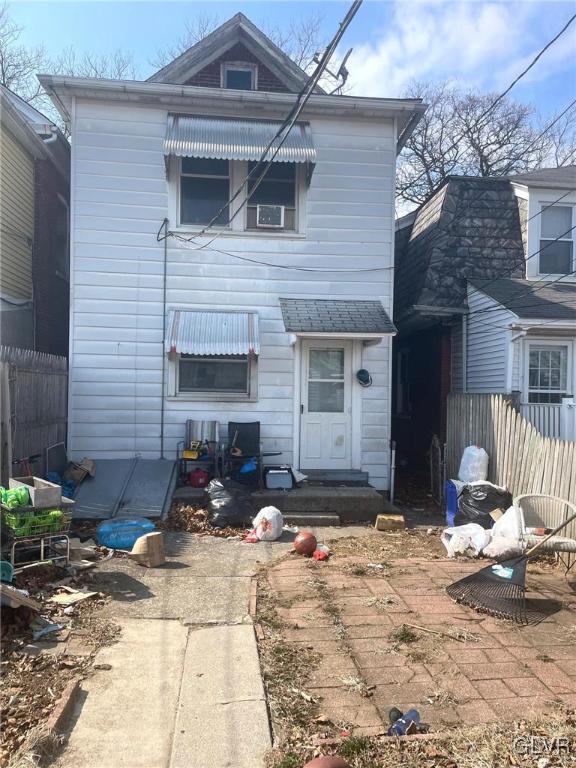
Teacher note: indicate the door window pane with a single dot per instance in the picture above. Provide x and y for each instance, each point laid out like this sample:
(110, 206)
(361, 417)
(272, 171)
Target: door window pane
(556, 221)
(326, 396)
(326, 364)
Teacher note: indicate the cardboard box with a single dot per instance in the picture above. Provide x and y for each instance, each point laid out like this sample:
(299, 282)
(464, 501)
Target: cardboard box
(390, 523)
(42, 493)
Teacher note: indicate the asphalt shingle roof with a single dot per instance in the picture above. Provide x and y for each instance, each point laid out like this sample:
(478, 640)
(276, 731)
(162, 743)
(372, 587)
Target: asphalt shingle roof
(529, 299)
(559, 178)
(335, 316)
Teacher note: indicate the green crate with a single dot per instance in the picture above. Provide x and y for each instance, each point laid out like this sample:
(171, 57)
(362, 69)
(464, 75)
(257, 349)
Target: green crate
(36, 522)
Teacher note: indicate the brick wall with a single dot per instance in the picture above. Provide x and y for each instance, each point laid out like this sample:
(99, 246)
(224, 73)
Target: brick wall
(50, 259)
(209, 77)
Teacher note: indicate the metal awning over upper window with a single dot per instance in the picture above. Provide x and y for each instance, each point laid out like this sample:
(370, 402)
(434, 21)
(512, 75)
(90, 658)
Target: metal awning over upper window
(192, 332)
(223, 138)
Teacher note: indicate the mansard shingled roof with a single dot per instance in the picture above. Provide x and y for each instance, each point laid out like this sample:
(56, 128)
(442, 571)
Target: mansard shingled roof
(469, 229)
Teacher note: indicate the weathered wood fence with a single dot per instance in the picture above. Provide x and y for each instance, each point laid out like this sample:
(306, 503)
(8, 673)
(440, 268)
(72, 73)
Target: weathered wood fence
(521, 458)
(33, 404)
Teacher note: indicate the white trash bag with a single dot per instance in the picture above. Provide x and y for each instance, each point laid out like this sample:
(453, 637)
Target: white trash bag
(463, 538)
(474, 464)
(268, 524)
(506, 535)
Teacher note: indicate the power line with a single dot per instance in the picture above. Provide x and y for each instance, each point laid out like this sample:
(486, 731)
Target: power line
(499, 98)
(282, 132)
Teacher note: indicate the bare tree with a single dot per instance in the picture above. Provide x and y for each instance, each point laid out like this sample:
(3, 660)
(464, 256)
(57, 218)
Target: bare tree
(300, 39)
(118, 65)
(194, 30)
(461, 134)
(19, 64)
(562, 140)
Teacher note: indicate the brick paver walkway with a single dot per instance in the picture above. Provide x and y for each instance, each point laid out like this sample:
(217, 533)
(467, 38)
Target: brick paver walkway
(506, 673)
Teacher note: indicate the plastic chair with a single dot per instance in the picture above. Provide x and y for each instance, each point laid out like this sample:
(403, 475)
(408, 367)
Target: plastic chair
(539, 510)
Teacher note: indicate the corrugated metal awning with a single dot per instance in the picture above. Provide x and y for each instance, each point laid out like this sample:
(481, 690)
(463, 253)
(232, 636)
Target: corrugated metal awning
(192, 332)
(221, 138)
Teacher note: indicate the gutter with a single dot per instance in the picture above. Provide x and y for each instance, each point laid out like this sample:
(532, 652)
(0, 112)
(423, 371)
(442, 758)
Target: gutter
(62, 88)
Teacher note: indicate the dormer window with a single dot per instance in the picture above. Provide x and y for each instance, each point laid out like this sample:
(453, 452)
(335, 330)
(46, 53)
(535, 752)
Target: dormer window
(240, 77)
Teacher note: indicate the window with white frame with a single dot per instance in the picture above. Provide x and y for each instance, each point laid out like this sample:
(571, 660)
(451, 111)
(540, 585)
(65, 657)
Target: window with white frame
(219, 373)
(279, 190)
(205, 188)
(204, 191)
(556, 240)
(548, 372)
(240, 77)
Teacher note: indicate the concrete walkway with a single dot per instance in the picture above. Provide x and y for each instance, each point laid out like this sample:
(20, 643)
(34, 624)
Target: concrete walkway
(184, 689)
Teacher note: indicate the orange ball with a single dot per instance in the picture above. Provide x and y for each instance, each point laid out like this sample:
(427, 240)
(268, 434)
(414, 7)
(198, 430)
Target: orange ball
(327, 762)
(305, 543)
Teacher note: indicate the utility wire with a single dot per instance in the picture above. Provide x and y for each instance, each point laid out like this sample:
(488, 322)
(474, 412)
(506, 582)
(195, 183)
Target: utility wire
(281, 134)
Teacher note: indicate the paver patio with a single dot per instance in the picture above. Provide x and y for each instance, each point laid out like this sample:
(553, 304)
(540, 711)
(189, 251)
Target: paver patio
(501, 672)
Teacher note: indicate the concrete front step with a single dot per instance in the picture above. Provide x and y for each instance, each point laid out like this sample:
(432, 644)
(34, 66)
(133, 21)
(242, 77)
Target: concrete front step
(333, 505)
(349, 504)
(336, 476)
(311, 520)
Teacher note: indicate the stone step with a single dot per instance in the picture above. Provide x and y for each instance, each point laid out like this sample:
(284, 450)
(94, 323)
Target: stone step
(349, 504)
(311, 520)
(336, 476)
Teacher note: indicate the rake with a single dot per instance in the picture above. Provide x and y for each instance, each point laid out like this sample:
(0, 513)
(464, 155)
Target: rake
(500, 589)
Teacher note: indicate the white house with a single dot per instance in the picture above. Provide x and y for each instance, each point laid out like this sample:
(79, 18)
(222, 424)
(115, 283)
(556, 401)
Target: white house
(485, 301)
(268, 314)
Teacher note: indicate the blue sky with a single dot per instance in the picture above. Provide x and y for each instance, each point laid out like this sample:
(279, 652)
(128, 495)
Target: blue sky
(473, 43)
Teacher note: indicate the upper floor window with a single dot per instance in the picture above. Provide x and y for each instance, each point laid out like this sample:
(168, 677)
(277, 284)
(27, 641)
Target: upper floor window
(556, 240)
(241, 77)
(274, 198)
(204, 191)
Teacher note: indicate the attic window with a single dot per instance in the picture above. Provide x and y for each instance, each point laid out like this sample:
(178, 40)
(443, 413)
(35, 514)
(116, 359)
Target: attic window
(240, 77)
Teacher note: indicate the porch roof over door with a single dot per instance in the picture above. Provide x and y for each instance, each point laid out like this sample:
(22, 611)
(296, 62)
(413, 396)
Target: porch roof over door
(362, 319)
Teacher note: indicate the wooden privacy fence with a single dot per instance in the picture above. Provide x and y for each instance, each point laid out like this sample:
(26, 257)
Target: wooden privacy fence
(521, 458)
(34, 403)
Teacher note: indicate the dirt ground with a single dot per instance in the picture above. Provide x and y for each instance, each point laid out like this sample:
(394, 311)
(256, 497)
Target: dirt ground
(34, 674)
(344, 641)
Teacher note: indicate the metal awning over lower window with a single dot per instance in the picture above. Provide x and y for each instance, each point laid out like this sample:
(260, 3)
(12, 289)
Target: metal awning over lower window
(221, 138)
(192, 332)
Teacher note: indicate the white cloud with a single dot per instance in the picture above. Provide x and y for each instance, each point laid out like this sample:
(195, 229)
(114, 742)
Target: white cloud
(476, 44)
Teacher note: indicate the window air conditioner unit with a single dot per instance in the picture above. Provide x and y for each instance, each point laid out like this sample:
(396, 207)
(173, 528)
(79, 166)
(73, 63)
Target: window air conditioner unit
(270, 216)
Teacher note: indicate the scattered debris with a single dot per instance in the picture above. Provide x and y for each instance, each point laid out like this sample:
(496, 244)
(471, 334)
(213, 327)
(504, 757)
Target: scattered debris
(17, 598)
(186, 518)
(358, 685)
(71, 596)
(403, 634)
(441, 697)
(381, 603)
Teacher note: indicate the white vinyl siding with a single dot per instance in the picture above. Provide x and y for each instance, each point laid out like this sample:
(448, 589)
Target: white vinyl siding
(489, 338)
(121, 196)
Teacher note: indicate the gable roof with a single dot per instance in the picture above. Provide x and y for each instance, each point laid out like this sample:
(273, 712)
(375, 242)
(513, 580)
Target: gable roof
(238, 29)
(335, 316)
(469, 229)
(557, 178)
(532, 299)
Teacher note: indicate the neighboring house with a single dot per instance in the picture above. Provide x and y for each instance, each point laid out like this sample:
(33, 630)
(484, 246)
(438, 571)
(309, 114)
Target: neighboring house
(485, 301)
(271, 321)
(34, 215)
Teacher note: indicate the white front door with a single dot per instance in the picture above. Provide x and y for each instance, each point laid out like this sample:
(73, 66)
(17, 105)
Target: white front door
(326, 407)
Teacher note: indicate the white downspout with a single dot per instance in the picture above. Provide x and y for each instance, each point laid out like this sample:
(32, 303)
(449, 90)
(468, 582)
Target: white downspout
(513, 339)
